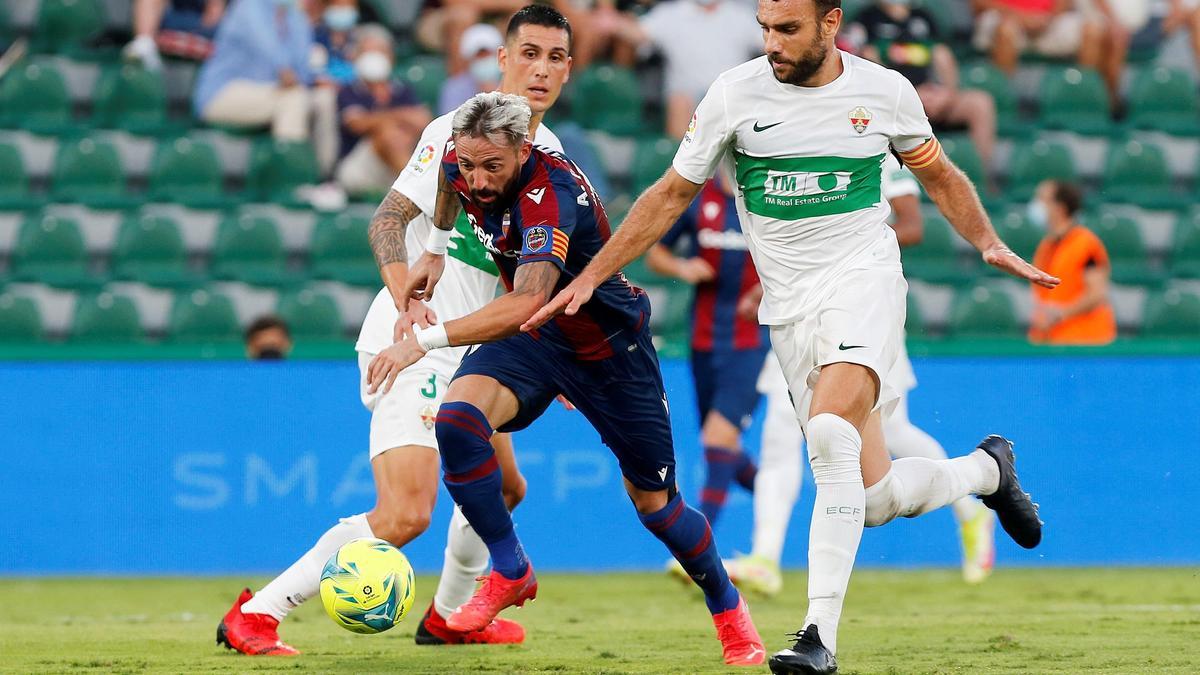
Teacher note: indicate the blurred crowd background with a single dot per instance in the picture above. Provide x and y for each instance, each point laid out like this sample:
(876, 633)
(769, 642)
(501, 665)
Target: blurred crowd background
(173, 170)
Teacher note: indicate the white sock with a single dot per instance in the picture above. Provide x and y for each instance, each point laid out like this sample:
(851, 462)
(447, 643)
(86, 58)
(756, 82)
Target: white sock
(916, 485)
(834, 449)
(777, 485)
(466, 557)
(905, 439)
(302, 580)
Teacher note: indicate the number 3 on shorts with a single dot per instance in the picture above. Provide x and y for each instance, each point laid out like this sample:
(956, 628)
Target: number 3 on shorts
(431, 390)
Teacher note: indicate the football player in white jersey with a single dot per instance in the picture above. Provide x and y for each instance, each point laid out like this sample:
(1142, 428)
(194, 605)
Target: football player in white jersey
(777, 485)
(535, 63)
(805, 129)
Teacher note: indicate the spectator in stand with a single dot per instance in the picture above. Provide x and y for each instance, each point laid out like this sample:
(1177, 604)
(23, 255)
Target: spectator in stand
(479, 46)
(332, 58)
(258, 74)
(1078, 311)
(1141, 25)
(443, 22)
(268, 339)
(1171, 15)
(381, 120)
(1050, 28)
(182, 28)
(905, 39)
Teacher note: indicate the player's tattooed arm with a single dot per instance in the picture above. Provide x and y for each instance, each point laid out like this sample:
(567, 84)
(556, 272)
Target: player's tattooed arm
(533, 284)
(447, 208)
(388, 227)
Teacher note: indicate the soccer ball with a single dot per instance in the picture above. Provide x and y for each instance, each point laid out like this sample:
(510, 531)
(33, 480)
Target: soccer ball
(367, 586)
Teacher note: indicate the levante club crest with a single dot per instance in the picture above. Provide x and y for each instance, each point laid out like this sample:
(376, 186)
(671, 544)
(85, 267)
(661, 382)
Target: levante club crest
(860, 118)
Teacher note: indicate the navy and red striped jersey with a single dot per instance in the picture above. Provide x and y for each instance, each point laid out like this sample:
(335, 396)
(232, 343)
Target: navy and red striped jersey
(715, 235)
(554, 215)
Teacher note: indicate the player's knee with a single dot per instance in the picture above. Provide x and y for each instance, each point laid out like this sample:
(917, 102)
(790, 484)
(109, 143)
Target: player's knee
(834, 446)
(514, 491)
(400, 527)
(719, 432)
(882, 503)
(463, 436)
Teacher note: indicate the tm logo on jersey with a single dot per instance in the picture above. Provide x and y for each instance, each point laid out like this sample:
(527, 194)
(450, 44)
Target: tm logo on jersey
(812, 187)
(791, 188)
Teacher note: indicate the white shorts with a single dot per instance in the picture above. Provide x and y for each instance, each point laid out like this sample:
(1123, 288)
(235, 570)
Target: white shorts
(406, 414)
(859, 320)
(1061, 39)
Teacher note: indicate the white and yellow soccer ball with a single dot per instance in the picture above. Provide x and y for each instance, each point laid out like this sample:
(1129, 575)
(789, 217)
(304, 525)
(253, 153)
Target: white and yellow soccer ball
(367, 586)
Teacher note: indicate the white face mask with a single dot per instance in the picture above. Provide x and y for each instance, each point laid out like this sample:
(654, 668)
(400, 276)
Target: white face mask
(706, 3)
(1037, 214)
(340, 18)
(373, 66)
(485, 69)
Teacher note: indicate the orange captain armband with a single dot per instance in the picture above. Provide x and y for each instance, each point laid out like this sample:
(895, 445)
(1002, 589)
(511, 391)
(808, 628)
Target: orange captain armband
(923, 155)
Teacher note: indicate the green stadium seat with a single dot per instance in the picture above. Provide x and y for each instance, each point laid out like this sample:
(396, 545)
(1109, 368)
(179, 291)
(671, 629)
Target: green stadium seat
(1185, 251)
(106, 317)
(1123, 240)
(1171, 314)
(962, 152)
(982, 312)
(311, 315)
(914, 323)
(67, 26)
(1032, 163)
(985, 76)
(1136, 173)
(20, 320)
(1164, 99)
(34, 97)
(51, 250)
(14, 181)
(203, 316)
(248, 248)
(150, 249)
(277, 168)
(607, 98)
(88, 171)
(340, 250)
(131, 98)
(651, 160)
(1074, 99)
(425, 73)
(187, 172)
(1021, 235)
(673, 324)
(935, 259)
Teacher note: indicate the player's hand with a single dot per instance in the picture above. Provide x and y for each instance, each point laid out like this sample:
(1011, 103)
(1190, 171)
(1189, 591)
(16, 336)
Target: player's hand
(418, 314)
(389, 363)
(1002, 258)
(424, 276)
(567, 301)
(566, 403)
(747, 306)
(695, 271)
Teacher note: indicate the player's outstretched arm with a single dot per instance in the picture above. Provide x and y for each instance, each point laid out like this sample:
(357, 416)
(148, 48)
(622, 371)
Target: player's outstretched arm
(956, 198)
(427, 272)
(649, 219)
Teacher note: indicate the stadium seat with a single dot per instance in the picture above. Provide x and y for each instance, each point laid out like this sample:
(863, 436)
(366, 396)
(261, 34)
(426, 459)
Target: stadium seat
(311, 315)
(1136, 173)
(88, 171)
(51, 250)
(150, 249)
(1032, 163)
(425, 74)
(985, 76)
(607, 98)
(914, 323)
(248, 248)
(202, 316)
(1171, 314)
(34, 97)
(1075, 100)
(1164, 99)
(1185, 252)
(188, 172)
(1123, 240)
(14, 181)
(672, 316)
(650, 161)
(277, 168)
(106, 317)
(67, 26)
(20, 320)
(133, 99)
(982, 312)
(935, 259)
(962, 152)
(1020, 234)
(340, 250)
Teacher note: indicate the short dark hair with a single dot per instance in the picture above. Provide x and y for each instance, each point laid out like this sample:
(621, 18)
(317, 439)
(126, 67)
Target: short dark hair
(826, 6)
(1069, 195)
(267, 322)
(540, 15)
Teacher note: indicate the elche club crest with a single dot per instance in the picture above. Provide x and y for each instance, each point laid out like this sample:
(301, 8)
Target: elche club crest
(860, 119)
(428, 417)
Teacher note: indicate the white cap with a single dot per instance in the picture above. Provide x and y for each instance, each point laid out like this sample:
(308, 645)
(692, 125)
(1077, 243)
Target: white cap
(481, 36)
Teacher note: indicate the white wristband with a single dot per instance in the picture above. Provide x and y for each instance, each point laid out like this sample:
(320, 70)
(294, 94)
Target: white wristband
(439, 241)
(433, 337)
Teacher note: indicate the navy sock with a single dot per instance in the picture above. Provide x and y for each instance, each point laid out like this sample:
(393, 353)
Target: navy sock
(745, 471)
(722, 466)
(688, 536)
(472, 475)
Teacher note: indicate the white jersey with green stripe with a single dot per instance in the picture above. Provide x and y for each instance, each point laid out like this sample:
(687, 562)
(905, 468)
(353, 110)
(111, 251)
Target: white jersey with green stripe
(470, 279)
(808, 163)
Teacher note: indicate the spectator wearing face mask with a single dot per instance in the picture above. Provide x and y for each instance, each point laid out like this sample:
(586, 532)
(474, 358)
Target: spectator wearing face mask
(333, 59)
(258, 74)
(381, 120)
(268, 339)
(477, 46)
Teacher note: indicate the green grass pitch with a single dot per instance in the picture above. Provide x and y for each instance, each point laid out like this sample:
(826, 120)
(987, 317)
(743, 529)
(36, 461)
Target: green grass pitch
(1020, 621)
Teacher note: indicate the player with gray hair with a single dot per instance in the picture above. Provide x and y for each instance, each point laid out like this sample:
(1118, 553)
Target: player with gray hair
(501, 118)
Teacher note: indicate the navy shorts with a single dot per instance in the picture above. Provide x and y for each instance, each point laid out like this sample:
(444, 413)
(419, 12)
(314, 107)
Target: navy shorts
(727, 382)
(622, 396)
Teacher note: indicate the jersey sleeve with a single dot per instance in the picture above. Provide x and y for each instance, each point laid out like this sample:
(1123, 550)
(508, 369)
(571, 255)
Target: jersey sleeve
(1098, 255)
(549, 214)
(912, 137)
(419, 179)
(707, 137)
